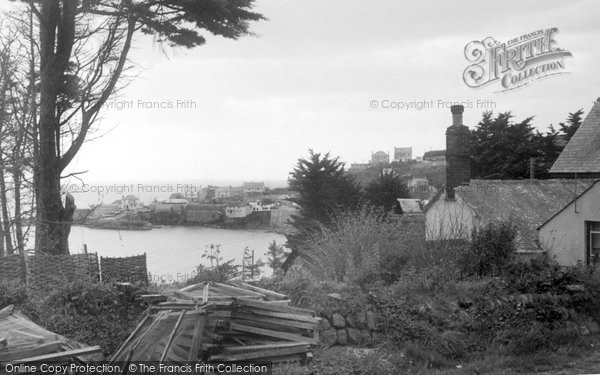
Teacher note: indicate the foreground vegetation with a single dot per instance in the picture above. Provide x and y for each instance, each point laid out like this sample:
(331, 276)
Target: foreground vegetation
(453, 307)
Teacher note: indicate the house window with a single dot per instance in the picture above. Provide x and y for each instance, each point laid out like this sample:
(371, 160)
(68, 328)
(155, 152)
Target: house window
(593, 242)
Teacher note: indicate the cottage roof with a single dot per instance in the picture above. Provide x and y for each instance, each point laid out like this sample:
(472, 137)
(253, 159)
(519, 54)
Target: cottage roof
(131, 197)
(434, 153)
(582, 153)
(409, 206)
(526, 203)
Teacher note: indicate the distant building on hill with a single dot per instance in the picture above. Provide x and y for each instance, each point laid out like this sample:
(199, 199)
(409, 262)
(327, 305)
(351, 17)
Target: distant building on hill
(435, 156)
(380, 157)
(253, 188)
(402, 154)
(228, 192)
(130, 202)
(355, 167)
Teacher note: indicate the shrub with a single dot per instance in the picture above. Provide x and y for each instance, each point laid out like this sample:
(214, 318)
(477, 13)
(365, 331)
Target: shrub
(491, 248)
(361, 248)
(12, 293)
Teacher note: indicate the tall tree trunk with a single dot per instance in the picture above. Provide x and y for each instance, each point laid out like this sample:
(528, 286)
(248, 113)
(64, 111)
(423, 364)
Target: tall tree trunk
(18, 221)
(5, 219)
(56, 42)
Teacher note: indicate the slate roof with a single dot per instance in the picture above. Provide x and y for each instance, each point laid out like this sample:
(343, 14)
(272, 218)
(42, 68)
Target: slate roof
(434, 153)
(409, 206)
(526, 203)
(582, 153)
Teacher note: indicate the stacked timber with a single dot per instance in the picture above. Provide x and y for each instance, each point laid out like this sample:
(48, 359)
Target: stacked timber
(223, 323)
(22, 342)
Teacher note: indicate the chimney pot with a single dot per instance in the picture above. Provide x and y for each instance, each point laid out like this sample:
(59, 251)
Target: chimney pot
(457, 111)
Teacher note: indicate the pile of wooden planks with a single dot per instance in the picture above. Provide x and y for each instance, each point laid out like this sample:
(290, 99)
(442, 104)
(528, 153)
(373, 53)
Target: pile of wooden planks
(223, 323)
(22, 341)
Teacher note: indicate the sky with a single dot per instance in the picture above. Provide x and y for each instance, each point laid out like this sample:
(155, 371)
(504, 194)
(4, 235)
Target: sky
(309, 79)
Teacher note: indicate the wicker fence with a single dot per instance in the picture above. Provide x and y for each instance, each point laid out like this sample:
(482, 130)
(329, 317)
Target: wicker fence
(12, 268)
(57, 269)
(48, 270)
(131, 269)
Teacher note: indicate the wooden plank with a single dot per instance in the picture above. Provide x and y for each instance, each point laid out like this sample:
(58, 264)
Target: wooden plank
(183, 295)
(273, 307)
(50, 347)
(196, 340)
(272, 320)
(263, 354)
(271, 333)
(236, 290)
(275, 314)
(59, 355)
(8, 310)
(205, 293)
(275, 327)
(172, 335)
(266, 292)
(157, 318)
(39, 339)
(241, 349)
(189, 288)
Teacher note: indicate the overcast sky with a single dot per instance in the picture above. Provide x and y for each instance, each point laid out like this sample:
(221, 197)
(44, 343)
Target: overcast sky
(308, 79)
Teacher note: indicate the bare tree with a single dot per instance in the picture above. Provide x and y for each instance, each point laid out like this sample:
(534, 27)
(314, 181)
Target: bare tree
(83, 50)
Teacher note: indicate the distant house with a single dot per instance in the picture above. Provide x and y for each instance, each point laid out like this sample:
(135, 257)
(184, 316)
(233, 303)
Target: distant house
(355, 167)
(435, 156)
(581, 156)
(380, 157)
(260, 206)
(238, 211)
(255, 188)
(228, 192)
(573, 233)
(130, 202)
(465, 204)
(418, 183)
(402, 154)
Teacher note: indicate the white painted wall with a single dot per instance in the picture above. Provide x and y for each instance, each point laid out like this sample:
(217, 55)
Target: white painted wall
(564, 235)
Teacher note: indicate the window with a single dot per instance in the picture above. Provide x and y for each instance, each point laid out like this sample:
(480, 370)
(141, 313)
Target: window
(593, 242)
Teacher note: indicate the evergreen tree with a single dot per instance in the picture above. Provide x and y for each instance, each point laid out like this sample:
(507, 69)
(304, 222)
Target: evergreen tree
(573, 122)
(322, 189)
(275, 255)
(501, 148)
(385, 190)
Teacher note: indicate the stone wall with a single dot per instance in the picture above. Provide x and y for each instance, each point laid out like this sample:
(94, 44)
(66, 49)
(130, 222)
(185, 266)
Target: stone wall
(343, 324)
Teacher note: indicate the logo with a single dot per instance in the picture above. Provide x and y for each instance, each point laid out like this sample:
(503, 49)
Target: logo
(515, 63)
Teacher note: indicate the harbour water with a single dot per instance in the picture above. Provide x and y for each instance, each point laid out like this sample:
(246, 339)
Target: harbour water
(173, 253)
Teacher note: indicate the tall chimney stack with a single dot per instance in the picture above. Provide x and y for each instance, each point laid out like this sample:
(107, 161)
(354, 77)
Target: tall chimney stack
(458, 152)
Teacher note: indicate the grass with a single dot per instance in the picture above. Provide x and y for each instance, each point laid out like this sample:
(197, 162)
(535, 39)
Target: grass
(387, 360)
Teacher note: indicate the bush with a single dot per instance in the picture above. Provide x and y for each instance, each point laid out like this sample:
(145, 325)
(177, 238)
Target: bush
(491, 248)
(12, 293)
(305, 290)
(361, 248)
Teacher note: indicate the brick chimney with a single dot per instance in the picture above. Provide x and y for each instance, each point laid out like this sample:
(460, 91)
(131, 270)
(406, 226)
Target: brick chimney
(458, 152)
